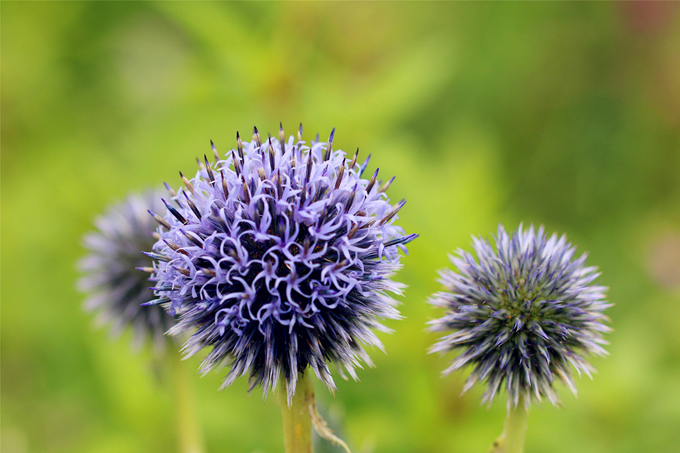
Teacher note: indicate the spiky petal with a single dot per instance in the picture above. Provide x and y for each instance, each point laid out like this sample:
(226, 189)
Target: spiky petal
(523, 313)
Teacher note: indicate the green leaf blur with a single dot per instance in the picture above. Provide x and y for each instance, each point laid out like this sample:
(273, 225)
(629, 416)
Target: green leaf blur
(562, 114)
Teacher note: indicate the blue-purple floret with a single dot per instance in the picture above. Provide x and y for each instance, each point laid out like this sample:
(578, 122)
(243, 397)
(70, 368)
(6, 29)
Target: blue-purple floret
(277, 258)
(523, 313)
(116, 288)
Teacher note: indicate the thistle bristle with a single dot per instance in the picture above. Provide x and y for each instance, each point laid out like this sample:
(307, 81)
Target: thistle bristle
(208, 168)
(186, 182)
(169, 189)
(387, 185)
(214, 150)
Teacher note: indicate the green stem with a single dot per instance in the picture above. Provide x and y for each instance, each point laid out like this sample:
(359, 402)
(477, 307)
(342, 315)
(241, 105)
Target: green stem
(297, 422)
(189, 434)
(512, 438)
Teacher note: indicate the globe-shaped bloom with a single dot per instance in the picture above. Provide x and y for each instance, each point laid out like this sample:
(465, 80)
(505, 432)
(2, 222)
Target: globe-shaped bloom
(277, 258)
(112, 267)
(523, 313)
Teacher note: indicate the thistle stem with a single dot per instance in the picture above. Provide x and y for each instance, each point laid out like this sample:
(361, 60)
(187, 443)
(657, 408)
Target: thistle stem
(512, 438)
(297, 422)
(189, 434)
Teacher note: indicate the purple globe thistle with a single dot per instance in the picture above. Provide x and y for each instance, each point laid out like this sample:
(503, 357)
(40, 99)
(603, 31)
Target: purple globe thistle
(279, 257)
(523, 313)
(112, 274)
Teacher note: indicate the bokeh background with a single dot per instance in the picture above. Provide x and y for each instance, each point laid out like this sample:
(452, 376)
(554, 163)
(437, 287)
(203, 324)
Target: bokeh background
(562, 114)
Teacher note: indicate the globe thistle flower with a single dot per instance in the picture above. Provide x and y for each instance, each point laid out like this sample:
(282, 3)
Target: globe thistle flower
(112, 274)
(278, 258)
(523, 313)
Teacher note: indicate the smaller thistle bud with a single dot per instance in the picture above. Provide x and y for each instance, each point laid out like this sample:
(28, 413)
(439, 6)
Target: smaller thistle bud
(523, 313)
(116, 273)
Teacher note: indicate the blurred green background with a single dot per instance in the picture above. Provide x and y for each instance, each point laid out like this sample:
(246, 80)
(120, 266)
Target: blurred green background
(562, 114)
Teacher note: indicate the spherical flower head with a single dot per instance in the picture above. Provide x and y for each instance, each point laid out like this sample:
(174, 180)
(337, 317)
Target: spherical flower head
(113, 269)
(278, 258)
(523, 313)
